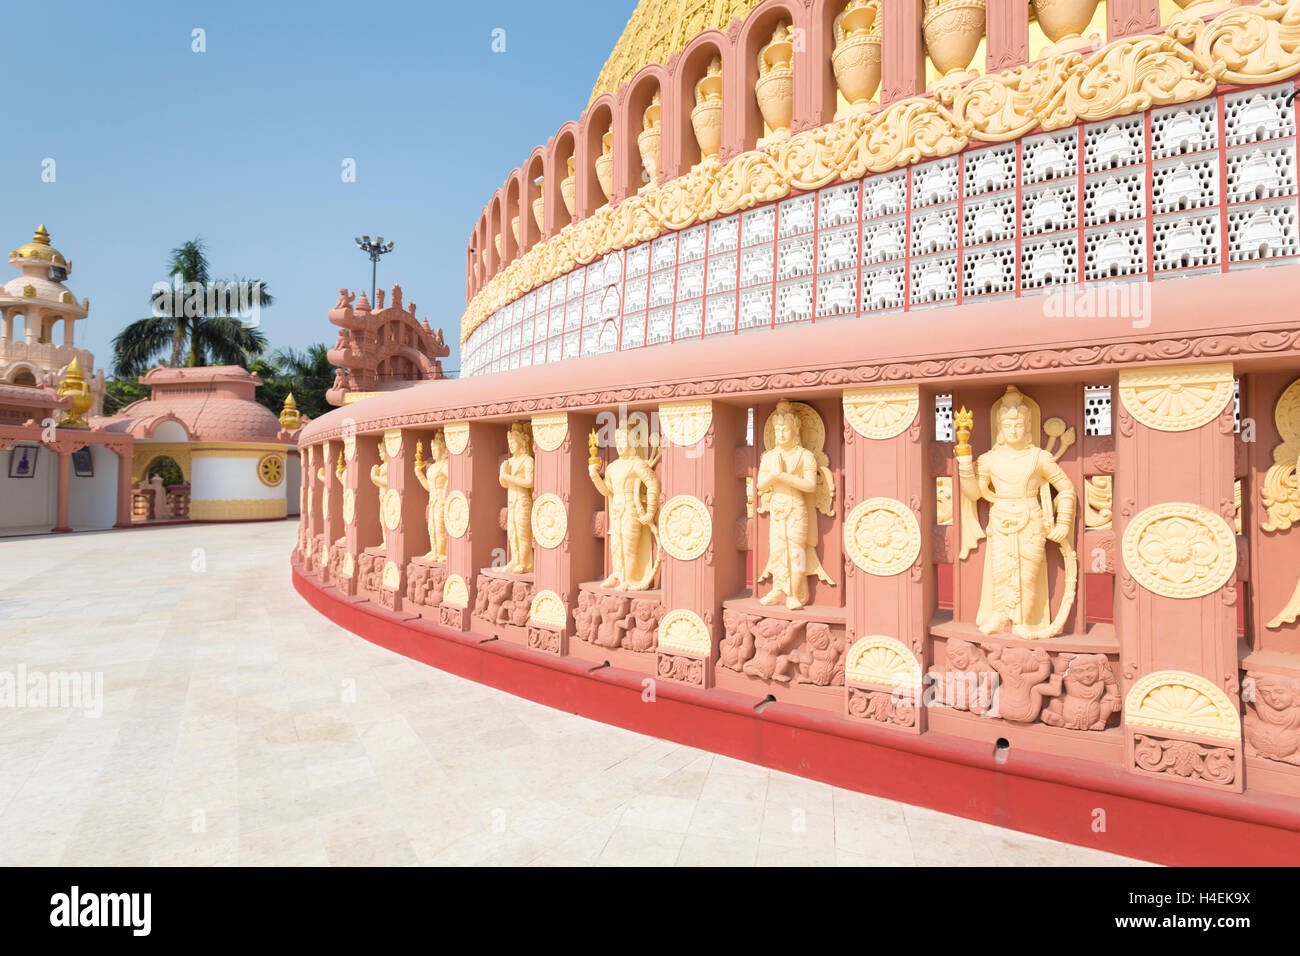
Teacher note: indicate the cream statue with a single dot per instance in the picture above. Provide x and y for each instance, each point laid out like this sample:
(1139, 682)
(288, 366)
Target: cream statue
(340, 470)
(433, 476)
(379, 477)
(794, 483)
(1017, 477)
(517, 478)
(632, 487)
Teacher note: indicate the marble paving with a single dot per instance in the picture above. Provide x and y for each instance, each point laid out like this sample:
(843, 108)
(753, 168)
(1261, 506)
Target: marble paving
(234, 725)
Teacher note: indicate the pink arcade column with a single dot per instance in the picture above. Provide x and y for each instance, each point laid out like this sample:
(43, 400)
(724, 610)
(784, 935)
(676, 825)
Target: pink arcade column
(473, 493)
(701, 499)
(125, 452)
(63, 449)
(565, 502)
(1176, 609)
(401, 509)
(890, 585)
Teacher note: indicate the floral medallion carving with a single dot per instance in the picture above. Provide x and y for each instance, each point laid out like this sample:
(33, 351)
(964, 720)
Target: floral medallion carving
(685, 528)
(457, 437)
(455, 592)
(550, 430)
(685, 423)
(349, 506)
(550, 521)
(1176, 399)
(883, 412)
(1184, 703)
(457, 520)
(547, 610)
(391, 505)
(685, 632)
(1179, 550)
(393, 442)
(882, 536)
(885, 661)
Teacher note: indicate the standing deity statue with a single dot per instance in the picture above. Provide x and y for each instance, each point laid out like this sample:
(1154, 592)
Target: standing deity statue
(517, 478)
(379, 476)
(433, 477)
(340, 470)
(1016, 476)
(794, 483)
(632, 487)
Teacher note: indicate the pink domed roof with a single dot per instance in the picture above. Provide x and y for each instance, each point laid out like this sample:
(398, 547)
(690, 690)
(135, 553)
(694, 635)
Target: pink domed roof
(213, 403)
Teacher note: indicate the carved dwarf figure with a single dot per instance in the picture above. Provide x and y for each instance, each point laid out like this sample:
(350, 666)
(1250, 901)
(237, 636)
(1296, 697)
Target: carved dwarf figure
(794, 483)
(379, 478)
(1026, 679)
(632, 488)
(1090, 695)
(1016, 476)
(773, 638)
(820, 659)
(498, 592)
(433, 476)
(612, 612)
(1272, 726)
(481, 584)
(642, 626)
(520, 604)
(584, 617)
(517, 478)
(737, 645)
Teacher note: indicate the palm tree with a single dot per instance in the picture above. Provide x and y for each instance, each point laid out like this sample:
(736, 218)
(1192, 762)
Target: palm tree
(196, 313)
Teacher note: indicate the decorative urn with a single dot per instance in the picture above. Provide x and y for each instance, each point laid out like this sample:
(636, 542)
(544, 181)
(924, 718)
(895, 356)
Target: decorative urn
(953, 30)
(774, 88)
(856, 60)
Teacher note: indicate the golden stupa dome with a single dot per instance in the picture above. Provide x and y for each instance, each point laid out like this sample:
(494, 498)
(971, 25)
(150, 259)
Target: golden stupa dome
(659, 28)
(40, 249)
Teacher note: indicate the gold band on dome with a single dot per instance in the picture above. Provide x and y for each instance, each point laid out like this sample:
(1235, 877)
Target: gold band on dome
(659, 28)
(1241, 46)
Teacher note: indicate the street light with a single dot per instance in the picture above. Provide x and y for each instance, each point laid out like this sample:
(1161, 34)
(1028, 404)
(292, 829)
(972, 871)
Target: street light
(375, 250)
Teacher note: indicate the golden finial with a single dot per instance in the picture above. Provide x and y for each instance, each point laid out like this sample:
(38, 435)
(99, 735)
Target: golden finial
(592, 445)
(419, 456)
(964, 420)
(42, 237)
(290, 420)
(74, 385)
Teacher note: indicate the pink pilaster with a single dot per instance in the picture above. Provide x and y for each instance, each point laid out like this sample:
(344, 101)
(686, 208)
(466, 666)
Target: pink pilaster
(893, 467)
(1128, 17)
(1007, 32)
(474, 473)
(579, 557)
(902, 51)
(705, 470)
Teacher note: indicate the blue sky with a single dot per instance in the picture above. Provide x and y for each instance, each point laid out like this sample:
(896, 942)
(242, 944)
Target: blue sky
(243, 144)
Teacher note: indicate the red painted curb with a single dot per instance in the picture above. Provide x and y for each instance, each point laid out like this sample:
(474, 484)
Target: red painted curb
(1045, 795)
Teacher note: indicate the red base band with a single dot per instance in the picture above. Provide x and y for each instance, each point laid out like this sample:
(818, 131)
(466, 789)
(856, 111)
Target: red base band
(1035, 793)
